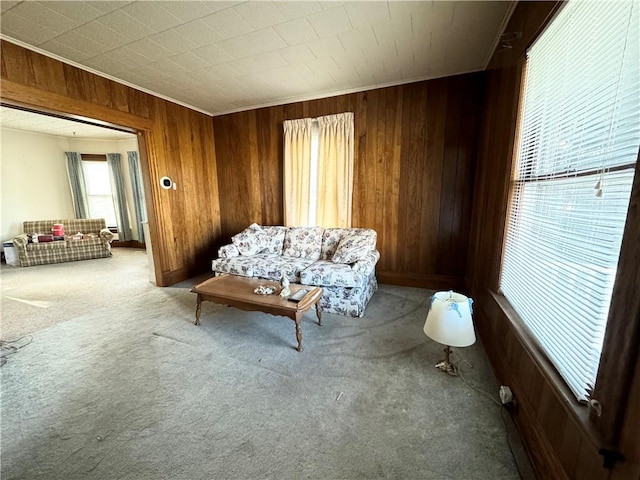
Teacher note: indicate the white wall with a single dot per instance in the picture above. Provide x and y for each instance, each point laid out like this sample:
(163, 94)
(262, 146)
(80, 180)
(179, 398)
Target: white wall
(34, 183)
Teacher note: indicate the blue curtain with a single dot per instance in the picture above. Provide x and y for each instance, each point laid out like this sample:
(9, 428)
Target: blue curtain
(119, 196)
(78, 187)
(138, 193)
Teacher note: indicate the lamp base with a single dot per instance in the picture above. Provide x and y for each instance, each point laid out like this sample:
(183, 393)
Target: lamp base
(446, 366)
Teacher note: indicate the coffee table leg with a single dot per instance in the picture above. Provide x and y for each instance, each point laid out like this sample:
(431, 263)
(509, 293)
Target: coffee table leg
(198, 307)
(319, 313)
(298, 332)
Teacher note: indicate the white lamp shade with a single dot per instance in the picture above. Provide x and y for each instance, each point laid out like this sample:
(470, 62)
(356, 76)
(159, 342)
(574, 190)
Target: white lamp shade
(449, 320)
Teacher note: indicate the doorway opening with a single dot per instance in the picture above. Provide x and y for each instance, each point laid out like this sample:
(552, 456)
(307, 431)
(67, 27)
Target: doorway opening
(35, 174)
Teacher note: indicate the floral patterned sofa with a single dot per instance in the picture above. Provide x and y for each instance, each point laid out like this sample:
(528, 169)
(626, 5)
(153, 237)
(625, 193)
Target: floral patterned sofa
(340, 260)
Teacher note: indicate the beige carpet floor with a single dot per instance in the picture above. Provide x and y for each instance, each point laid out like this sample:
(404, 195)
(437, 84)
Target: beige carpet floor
(38, 297)
(113, 381)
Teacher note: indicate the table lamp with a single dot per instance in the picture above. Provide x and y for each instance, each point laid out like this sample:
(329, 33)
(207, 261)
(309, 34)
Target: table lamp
(449, 323)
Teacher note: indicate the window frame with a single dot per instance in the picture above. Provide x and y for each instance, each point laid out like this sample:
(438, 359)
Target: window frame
(621, 346)
(96, 157)
(523, 171)
(316, 173)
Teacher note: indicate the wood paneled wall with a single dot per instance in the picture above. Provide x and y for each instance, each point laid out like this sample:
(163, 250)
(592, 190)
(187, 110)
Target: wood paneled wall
(413, 174)
(561, 439)
(174, 141)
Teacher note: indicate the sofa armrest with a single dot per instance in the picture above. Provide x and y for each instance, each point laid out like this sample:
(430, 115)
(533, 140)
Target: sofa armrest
(228, 251)
(106, 235)
(367, 265)
(21, 241)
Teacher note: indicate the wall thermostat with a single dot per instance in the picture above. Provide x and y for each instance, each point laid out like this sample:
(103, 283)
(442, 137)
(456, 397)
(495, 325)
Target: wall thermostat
(166, 183)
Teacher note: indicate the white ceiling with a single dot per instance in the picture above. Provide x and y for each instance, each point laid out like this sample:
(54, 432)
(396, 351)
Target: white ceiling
(34, 122)
(219, 57)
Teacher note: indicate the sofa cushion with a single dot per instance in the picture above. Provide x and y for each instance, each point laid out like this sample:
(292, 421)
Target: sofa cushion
(326, 273)
(262, 265)
(64, 251)
(242, 266)
(354, 245)
(251, 240)
(49, 246)
(229, 250)
(272, 267)
(303, 242)
(275, 239)
(330, 240)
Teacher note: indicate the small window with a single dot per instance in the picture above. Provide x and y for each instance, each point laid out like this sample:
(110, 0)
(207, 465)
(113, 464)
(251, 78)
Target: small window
(100, 198)
(318, 170)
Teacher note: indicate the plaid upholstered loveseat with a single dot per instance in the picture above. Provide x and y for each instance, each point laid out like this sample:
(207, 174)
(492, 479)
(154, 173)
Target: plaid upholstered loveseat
(96, 242)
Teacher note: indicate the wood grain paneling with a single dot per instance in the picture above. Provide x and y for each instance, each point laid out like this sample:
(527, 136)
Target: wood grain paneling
(174, 141)
(413, 172)
(562, 440)
(630, 432)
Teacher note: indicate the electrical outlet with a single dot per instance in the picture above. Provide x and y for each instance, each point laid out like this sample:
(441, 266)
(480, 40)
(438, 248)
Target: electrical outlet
(506, 396)
(508, 400)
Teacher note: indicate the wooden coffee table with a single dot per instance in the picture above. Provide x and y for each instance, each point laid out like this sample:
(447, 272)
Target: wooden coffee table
(238, 292)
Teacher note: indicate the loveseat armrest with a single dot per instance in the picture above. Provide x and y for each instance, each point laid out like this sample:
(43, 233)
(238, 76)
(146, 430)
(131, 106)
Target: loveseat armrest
(367, 264)
(21, 241)
(228, 251)
(106, 235)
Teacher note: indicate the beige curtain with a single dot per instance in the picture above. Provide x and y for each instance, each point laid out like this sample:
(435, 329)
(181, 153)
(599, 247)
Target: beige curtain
(335, 170)
(297, 171)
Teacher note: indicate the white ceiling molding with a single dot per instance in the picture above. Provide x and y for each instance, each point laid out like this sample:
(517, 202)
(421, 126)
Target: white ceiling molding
(501, 30)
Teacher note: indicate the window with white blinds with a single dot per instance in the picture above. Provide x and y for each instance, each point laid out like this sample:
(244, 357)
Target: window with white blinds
(577, 148)
(99, 196)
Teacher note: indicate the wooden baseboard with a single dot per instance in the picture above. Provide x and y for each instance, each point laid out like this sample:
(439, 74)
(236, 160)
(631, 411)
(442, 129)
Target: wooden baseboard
(555, 437)
(128, 244)
(420, 280)
(172, 277)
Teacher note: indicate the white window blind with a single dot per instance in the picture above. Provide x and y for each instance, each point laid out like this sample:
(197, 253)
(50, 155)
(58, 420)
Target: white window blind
(576, 155)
